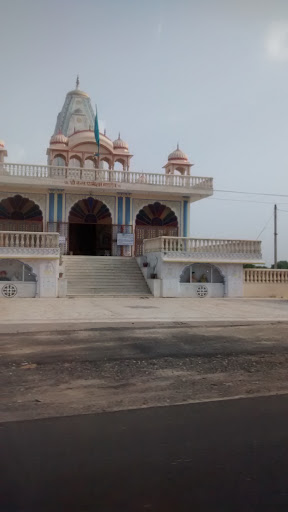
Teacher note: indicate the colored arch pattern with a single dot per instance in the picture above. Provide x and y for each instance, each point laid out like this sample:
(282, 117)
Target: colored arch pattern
(156, 214)
(20, 208)
(90, 211)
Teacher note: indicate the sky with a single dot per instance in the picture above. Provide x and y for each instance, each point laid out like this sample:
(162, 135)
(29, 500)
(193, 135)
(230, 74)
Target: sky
(209, 74)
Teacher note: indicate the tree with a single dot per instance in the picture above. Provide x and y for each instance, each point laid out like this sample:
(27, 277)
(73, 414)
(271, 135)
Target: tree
(250, 265)
(283, 264)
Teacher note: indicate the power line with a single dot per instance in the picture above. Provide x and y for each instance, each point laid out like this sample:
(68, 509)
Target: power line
(242, 200)
(250, 193)
(265, 226)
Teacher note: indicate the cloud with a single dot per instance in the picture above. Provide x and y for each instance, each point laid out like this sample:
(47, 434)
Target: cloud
(277, 41)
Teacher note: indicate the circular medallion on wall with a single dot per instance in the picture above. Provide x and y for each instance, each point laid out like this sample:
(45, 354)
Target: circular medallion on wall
(202, 291)
(9, 290)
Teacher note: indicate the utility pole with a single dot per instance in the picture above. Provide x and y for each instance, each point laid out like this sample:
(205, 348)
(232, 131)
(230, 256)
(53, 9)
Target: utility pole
(275, 235)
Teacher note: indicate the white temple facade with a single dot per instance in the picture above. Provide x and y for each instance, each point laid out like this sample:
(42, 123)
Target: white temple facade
(86, 203)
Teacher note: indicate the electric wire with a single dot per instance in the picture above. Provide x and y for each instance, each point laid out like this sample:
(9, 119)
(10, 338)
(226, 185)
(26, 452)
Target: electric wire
(250, 193)
(265, 226)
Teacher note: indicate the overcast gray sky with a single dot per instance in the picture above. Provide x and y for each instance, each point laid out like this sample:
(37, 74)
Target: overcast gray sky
(211, 74)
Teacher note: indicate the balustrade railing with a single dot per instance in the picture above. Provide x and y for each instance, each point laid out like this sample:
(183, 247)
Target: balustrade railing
(265, 276)
(204, 246)
(31, 240)
(105, 176)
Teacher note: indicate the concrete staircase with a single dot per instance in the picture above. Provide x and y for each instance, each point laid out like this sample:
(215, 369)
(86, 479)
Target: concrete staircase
(103, 275)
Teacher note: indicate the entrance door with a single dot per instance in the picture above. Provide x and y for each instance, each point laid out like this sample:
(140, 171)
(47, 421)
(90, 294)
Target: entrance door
(90, 239)
(90, 228)
(82, 239)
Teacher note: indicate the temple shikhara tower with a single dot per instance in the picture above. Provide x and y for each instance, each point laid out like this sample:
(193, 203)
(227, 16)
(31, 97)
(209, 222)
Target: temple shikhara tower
(77, 225)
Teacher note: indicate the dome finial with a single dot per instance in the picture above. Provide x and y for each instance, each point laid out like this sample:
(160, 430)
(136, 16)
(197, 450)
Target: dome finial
(77, 82)
(120, 144)
(105, 132)
(178, 155)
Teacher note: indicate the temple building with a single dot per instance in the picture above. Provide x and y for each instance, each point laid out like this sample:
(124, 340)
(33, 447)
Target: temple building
(59, 222)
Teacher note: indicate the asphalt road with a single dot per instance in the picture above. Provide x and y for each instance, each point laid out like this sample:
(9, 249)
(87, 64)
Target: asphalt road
(119, 368)
(138, 342)
(231, 454)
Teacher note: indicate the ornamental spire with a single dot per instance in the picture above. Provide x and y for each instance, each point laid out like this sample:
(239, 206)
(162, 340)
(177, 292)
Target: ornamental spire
(77, 82)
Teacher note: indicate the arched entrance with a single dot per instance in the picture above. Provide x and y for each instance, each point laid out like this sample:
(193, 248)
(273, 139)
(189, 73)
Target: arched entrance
(20, 213)
(201, 280)
(90, 228)
(152, 221)
(17, 279)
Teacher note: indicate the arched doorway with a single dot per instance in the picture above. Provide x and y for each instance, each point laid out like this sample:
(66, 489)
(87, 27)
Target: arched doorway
(90, 228)
(20, 213)
(152, 221)
(17, 279)
(201, 280)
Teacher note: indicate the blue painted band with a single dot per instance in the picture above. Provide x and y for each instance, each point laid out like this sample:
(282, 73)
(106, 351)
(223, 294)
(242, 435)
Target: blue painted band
(127, 210)
(59, 207)
(120, 210)
(185, 218)
(51, 207)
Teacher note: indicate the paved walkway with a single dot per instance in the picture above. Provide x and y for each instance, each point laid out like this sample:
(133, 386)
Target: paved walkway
(54, 314)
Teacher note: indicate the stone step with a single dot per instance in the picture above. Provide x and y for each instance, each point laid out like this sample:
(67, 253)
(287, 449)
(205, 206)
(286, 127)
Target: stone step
(99, 267)
(109, 276)
(112, 290)
(100, 284)
(104, 278)
(107, 294)
(106, 285)
(106, 269)
(104, 265)
(107, 290)
(94, 275)
(96, 282)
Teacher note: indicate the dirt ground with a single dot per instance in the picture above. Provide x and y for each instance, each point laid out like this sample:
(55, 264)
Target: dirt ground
(66, 373)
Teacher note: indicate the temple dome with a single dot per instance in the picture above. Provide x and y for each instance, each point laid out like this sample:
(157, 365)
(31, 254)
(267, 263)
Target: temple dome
(178, 154)
(77, 92)
(120, 144)
(59, 138)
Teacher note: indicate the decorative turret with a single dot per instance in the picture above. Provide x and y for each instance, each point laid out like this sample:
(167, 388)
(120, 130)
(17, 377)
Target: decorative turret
(3, 153)
(59, 139)
(178, 155)
(120, 144)
(178, 161)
